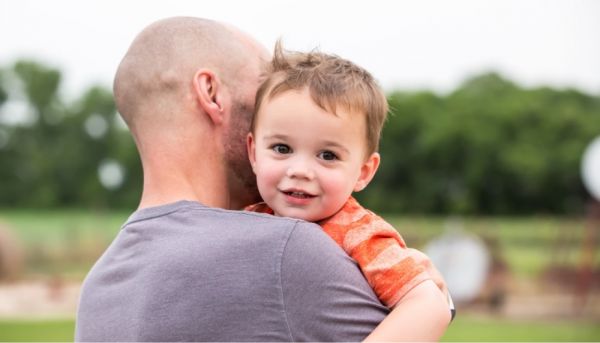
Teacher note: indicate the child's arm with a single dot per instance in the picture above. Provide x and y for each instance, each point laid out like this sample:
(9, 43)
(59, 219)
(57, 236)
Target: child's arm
(421, 315)
(389, 266)
(404, 279)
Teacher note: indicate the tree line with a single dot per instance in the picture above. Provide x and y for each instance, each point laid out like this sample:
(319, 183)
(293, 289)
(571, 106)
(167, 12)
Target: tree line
(490, 147)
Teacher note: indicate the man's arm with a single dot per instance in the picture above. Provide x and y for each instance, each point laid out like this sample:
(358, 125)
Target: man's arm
(325, 295)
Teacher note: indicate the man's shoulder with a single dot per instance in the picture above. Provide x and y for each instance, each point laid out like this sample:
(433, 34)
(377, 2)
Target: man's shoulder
(253, 220)
(196, 219)
(197, 212)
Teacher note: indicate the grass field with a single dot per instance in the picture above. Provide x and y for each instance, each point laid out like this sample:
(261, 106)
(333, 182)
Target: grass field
(69, 241)
(65, 242)
(37, 331)
(529, 245)
(471, 329)
(464, 329)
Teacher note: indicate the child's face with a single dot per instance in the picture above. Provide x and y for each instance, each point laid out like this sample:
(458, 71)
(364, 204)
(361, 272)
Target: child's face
(308, 161)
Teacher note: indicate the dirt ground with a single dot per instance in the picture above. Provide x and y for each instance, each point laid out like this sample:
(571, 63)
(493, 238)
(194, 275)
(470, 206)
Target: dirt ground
(43, 299)
(39, 299)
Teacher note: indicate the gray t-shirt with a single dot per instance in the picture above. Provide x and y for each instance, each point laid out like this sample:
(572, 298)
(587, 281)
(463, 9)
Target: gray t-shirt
(187, 272)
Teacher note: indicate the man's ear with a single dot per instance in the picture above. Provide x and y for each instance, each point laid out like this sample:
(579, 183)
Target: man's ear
(367, 171)
(251, 146)
(208, 90)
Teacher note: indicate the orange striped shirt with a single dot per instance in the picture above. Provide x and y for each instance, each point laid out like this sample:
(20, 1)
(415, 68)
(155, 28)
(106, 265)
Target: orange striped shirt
(389, 266)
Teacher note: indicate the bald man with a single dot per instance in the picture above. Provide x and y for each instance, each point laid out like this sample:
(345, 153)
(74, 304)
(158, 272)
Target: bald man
(185, 266)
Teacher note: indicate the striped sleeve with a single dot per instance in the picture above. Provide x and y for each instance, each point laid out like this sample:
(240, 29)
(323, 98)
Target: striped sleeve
(389, 266)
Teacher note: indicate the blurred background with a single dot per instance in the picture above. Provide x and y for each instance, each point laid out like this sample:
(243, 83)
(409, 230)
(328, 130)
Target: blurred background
(493, 105)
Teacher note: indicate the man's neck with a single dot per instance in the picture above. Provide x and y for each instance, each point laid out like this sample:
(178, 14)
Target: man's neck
(163, 185)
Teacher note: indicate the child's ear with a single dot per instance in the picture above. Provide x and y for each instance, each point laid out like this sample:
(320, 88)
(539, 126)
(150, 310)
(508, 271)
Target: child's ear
(367, 171)
(251, 146)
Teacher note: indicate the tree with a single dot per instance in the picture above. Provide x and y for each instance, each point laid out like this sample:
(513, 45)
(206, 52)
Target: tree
(489, 147)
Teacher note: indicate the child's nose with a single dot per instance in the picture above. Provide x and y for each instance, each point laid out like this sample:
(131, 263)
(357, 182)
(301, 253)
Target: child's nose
(300, 171)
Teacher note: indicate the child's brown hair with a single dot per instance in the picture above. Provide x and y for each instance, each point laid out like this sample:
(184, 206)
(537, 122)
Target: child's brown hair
(331, 81)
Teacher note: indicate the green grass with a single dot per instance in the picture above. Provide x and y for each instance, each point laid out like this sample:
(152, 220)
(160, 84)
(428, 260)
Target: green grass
(69, 241)
(37, 331)
(529, 230)
(529, 245)
(465, 329)
(65, 242)
(58, 226)
(470, 329)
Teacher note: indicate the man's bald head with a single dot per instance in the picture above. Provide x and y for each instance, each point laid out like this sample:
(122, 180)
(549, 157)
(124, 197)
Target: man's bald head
(160, 63)
(186, 88)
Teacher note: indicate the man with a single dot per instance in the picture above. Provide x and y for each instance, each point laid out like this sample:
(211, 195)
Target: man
(184, 267)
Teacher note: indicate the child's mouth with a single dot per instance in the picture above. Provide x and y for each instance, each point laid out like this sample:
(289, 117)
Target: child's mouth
(299, 195)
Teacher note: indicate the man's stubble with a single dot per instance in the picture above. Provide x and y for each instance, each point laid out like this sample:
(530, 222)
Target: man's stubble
(241, 177)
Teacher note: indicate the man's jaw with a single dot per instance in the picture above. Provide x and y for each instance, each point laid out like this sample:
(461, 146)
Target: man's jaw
(242, 190)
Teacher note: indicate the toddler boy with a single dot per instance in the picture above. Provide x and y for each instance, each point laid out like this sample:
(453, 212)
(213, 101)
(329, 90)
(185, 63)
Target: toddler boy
(314, 141)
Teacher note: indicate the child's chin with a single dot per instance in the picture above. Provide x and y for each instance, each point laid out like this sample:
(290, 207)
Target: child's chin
(309, 217)
(313, 217)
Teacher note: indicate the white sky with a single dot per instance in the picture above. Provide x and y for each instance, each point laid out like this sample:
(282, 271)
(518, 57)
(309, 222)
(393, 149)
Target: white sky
(405, 44)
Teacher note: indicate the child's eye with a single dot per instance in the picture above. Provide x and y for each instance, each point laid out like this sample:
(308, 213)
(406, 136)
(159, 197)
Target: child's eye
(328, 156)
(281, 149)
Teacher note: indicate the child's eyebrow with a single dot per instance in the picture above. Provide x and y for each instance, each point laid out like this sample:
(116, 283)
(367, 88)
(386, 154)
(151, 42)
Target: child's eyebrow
(336, 145)
(275, 136)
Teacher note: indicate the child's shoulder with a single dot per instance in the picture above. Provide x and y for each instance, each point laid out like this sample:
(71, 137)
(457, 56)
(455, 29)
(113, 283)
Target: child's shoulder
(354, 212)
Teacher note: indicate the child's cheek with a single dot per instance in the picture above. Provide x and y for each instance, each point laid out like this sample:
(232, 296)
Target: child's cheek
(267, 181)
(338, 188)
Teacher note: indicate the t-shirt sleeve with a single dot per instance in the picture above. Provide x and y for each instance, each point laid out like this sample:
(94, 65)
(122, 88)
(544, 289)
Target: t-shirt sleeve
(388, 265)
(326, 298)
